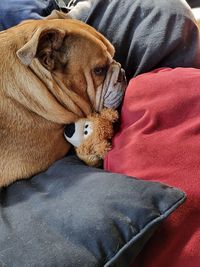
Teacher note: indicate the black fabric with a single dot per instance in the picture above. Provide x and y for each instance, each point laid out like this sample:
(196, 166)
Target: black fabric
(146, 34)
(73, 215)
(194, 3)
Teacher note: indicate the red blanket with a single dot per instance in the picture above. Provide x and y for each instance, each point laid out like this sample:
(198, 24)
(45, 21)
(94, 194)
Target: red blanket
(159, 140)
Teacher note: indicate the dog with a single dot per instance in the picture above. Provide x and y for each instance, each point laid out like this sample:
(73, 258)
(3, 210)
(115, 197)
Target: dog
(52, 72)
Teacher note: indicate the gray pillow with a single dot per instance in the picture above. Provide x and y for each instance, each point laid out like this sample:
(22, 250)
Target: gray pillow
(146, 34)
(73, 215)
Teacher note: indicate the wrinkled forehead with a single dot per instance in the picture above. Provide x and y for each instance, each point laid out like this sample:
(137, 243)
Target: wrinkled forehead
(84, 31)
(93, 32)
(81, 44)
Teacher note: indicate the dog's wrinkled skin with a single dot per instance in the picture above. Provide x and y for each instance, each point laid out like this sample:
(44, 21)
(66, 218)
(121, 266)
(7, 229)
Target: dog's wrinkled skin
(51, 73)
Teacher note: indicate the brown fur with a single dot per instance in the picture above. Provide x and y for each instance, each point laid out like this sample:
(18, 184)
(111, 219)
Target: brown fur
(46, 80)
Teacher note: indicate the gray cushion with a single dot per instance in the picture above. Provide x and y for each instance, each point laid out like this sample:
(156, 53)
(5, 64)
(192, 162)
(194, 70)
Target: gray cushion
(73, 215)
(146, 34)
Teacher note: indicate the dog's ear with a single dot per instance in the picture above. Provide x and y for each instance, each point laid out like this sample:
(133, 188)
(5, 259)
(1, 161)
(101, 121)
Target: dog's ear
(42, 45)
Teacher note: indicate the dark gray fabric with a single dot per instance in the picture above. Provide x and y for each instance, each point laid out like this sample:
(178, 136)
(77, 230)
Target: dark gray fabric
(147, 34)
(194, 3)
(72, 215)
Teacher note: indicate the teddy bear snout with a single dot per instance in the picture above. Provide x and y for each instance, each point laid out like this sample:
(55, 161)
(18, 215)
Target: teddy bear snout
(69, 130)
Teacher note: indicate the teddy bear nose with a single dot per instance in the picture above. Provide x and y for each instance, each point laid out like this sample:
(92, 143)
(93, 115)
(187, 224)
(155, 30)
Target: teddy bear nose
(69, 130)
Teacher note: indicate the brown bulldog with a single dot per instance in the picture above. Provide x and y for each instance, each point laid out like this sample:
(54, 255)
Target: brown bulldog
(51, 73)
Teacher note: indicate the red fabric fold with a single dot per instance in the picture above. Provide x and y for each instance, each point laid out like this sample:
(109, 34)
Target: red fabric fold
(159, 140)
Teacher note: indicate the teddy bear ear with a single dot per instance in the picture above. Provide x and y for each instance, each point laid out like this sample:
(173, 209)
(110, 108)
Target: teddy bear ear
(109, 114)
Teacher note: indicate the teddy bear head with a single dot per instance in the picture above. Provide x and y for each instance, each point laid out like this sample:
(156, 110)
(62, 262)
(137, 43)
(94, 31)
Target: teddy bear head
(91, 136)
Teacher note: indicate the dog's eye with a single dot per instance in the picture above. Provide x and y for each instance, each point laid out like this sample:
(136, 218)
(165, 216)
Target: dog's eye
(100, 71)
(86, 126)
(85, 132)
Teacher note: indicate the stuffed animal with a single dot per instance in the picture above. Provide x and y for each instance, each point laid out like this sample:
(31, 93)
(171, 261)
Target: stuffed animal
(91, 136)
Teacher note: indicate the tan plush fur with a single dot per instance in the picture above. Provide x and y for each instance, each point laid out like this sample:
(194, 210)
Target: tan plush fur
(46, 81)
(94, 148)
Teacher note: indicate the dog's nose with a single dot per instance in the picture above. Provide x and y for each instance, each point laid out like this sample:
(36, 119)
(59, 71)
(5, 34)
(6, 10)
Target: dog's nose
(69, 130)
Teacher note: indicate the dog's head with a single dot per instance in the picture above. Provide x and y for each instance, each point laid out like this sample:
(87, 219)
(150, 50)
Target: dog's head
(76, 63)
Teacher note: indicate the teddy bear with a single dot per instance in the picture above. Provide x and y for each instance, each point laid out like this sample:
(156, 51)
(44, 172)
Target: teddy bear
(91, 136)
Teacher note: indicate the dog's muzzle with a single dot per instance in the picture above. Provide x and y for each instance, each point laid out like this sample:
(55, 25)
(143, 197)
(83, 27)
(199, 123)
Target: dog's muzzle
(111, 93)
